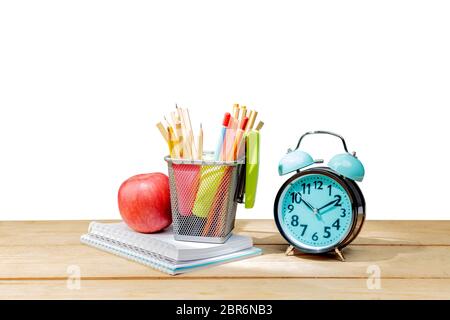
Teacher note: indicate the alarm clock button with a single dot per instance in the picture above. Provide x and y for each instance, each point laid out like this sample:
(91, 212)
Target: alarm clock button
(347, 165)
(293, 161)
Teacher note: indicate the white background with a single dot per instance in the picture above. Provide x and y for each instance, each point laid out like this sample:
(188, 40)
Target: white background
(82, 84)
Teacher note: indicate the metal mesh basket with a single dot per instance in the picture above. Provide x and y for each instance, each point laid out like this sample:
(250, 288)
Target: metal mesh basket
(204, 197)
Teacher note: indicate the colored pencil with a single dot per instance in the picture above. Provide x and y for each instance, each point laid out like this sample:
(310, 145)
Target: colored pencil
(171, 142)
(222, 136)
(238, 140)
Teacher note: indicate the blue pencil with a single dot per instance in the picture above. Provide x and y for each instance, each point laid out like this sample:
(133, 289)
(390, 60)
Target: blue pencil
(223, 131)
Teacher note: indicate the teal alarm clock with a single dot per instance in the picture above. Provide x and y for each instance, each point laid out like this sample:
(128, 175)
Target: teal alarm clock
(320, 209)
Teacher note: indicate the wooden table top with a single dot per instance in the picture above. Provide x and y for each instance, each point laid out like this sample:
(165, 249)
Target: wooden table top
(39, 259)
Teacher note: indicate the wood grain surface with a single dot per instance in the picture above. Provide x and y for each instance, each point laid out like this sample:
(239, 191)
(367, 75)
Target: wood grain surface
(412, 258)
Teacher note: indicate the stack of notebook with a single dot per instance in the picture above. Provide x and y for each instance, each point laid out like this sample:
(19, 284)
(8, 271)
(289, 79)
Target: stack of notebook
(162, 252)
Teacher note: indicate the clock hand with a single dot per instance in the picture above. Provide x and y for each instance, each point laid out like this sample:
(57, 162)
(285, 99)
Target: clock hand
(309, 205)
(328, 204)
(314, 210)
(326, 211)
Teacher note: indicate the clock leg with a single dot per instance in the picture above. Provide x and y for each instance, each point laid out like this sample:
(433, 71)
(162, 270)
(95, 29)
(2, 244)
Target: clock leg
(339, 254)
(290, 251)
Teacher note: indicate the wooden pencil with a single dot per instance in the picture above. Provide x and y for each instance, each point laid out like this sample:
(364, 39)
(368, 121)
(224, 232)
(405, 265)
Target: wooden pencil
(168, 123)
(238, 140)
(252, 118)
(180, 138)
(189, 133)
(163, 131)
(171, 142)
(259, 126)
(200, 144)
(242, 115)
(185, 141)
(235, 110)
(243, 112)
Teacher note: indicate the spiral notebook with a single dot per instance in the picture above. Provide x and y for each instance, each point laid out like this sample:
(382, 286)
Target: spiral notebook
(162, 252)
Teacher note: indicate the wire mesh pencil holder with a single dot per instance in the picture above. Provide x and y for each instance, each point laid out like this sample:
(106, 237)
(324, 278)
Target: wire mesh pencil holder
(204, 197)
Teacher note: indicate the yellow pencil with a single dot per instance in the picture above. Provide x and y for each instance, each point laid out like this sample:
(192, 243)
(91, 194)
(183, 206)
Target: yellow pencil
(180, 139)
(170, 141)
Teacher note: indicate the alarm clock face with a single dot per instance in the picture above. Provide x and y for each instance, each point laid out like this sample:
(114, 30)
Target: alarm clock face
(314, 211)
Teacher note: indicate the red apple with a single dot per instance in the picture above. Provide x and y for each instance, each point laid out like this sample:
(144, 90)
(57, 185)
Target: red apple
(144, 202)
